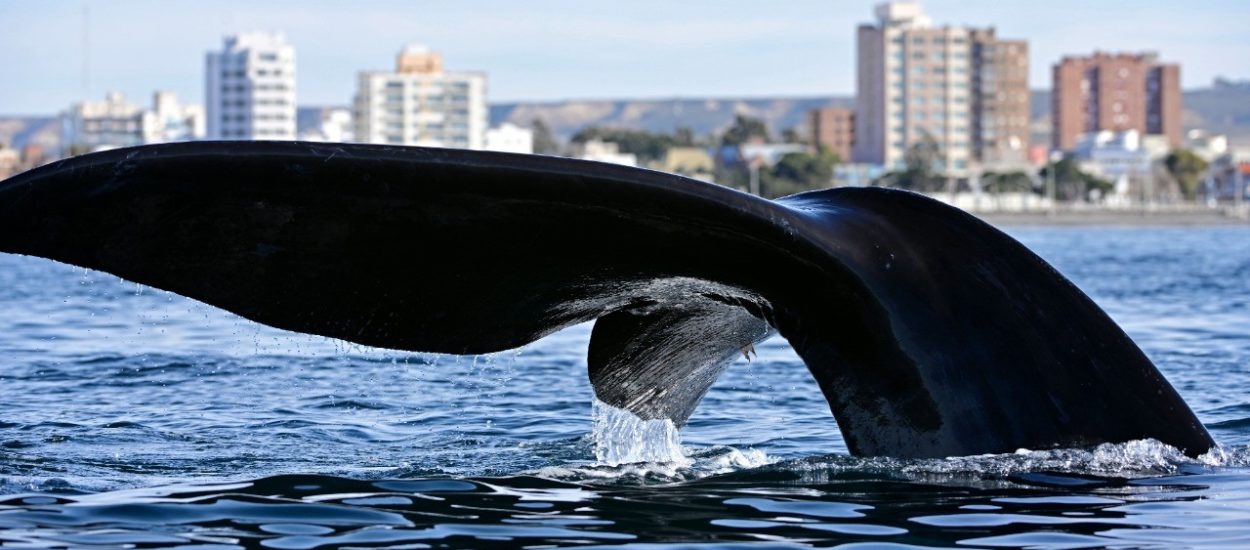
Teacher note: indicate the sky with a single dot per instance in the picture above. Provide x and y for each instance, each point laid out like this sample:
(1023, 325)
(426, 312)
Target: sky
(56, 52)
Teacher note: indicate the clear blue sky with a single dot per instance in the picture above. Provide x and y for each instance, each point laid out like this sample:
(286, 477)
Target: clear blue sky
(547, 50)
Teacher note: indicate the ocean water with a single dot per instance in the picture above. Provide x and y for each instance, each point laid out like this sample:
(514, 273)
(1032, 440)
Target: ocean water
(132, 417)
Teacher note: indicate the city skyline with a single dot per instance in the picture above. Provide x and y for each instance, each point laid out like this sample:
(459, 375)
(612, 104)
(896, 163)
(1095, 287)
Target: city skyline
(565, 50)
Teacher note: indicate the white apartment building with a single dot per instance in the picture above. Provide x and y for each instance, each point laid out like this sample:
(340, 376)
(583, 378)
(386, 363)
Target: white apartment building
(421, 104)
(605, 151)
(168, 120)
(115, 122)
(510, 138)
(250, 88)
(334, 124)
(1117, 155)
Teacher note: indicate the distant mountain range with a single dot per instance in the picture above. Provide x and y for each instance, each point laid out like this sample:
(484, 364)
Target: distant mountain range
(17, 131)
(1222, 109)
(702, 115)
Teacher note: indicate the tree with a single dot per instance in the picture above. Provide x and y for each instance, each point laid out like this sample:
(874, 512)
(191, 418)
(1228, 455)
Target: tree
(798, 172)
(1070, 182)
(791, 135)
(1007, 182)
(744, 130)
(646, 145)
(544, 142)
(684, 137)
(1187, 168)
(919, 168)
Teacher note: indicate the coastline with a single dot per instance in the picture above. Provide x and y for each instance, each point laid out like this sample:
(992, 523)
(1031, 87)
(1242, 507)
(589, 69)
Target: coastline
(1116, 218)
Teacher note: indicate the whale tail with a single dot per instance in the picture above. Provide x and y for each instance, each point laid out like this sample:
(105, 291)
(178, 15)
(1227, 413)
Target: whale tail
(929, 332)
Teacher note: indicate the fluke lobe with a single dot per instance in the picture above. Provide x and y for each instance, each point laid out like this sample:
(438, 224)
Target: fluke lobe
(930, 333)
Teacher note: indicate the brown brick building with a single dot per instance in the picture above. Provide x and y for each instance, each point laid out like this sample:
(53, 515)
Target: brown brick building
(1115, 92)
(832, 127)
(1000, 100)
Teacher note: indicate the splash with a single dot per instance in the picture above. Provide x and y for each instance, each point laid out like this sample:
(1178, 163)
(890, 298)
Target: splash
(1129, 460)
(621, 437)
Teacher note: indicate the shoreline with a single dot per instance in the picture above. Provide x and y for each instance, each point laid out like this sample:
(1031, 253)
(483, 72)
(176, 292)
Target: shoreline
(1114, 218)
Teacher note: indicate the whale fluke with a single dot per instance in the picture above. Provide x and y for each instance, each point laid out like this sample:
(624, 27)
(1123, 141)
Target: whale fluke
(929, 332)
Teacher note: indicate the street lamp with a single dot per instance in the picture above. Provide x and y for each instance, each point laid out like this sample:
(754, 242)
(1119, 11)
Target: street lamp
(1055, 157)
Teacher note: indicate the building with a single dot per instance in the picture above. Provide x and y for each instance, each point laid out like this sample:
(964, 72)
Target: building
(1207, 146)
(1000, 100)
(115, 122)
(250, 88)
(962, 88)
(92, 125)
(168, 120)
(604, 151)
(329, 124)
(1115, 92)
(510, 138)
(688, 161)
(1119, 156)
(832, 128)
(10, 162)
(1229, 177)
(422, 104)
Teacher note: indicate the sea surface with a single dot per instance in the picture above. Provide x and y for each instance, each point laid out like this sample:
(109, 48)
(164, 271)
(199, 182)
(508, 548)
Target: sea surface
(131, 417)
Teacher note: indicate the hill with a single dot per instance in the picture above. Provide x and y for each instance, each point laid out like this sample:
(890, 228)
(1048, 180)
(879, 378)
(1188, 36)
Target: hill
(1223, 109)
(702, 115)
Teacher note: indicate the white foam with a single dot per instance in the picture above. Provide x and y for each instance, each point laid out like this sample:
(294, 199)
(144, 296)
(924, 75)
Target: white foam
(621, 437)
(1146, 457)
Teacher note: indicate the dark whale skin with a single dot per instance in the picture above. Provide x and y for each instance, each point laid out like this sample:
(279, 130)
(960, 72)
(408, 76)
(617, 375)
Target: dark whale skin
(930, 333)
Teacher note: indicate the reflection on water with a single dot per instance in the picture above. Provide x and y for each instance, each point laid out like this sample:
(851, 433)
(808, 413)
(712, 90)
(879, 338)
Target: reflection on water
(843, 504)
(133, 417)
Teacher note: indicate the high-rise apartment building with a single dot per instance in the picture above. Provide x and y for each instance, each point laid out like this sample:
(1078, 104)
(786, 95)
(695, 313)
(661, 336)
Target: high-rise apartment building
(250, 88)
(421, 104)
(1115, 92)
(961, 88)
(832, 128)
(1000, 100)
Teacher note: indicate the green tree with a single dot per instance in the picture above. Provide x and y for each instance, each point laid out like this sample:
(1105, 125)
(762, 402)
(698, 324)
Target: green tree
(798, 172)
(1071, 183)
(544, 142)
(1187, 168)
(646, 145)
(744, 130)
(919, 171)
(684, 137)
(791, 135)
(1007, 182)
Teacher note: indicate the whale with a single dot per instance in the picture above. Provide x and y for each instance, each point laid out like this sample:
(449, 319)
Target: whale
(929, 332)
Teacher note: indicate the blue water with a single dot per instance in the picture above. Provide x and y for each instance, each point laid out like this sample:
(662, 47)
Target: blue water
(131, 417)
